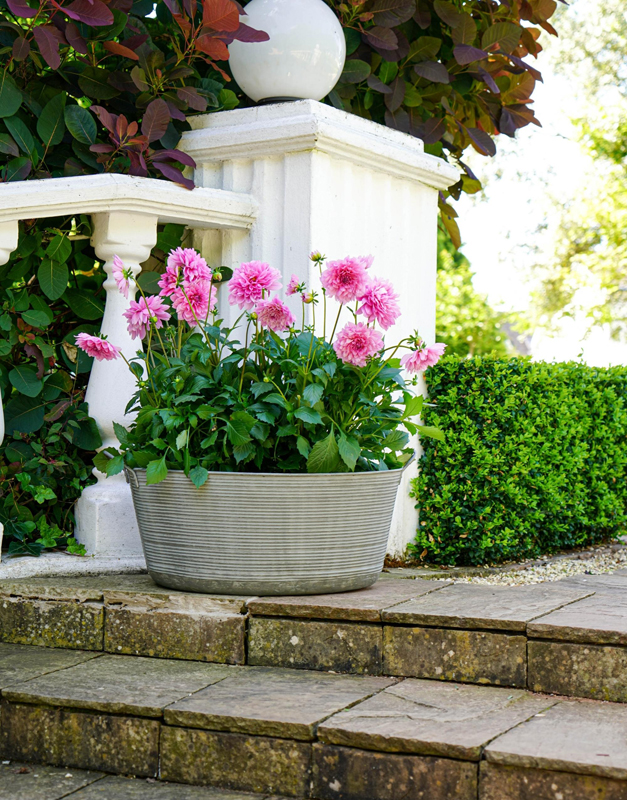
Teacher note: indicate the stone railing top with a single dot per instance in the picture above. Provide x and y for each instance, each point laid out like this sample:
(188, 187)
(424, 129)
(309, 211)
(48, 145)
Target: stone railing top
(308, 125)
(90, 194)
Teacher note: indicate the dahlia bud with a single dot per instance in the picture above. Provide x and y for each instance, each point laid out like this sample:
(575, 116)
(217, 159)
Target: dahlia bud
(307, 297)
(217, 277)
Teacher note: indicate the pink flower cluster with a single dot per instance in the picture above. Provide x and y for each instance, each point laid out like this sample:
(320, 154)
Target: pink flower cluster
(144, 311)
(356, 343)
(249, 289)
(187, 282)
(419, 360)
(96, 347)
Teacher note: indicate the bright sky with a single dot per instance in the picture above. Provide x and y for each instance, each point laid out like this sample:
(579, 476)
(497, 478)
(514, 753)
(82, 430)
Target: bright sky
(524, 184)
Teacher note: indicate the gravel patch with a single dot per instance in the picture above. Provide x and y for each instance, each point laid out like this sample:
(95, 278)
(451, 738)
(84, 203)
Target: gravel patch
(591, 563)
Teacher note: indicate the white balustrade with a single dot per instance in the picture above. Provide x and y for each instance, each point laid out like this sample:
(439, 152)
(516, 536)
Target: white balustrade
(125, 213)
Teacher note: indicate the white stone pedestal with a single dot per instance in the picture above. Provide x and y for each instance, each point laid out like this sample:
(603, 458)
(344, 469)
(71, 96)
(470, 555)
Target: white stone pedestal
(327, 180)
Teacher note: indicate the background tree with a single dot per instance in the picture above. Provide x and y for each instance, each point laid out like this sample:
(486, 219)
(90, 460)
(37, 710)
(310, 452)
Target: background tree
(582, 270)
(465, 322)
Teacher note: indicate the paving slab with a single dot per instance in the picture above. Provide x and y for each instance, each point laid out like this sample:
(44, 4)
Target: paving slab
(431, 718)
(19, 781)
(118, 788)
(78, 625)
(175, 625)
(364, 605)
(578, 670)
(284, 703)
(578, 736)
(517, 783)
(465, 605)
(342, 773)
(611, 582)
(63, 737)
(19, 662)
(599, 619)
(469, 656)
(119, 685)
(234, 761)
(313, 644)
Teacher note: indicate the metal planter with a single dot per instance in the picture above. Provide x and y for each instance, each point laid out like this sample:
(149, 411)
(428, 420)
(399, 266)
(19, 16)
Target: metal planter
(265, 533)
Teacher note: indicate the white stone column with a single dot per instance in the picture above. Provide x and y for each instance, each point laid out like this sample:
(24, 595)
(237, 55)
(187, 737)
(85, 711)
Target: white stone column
(332, 181)
(105, 517)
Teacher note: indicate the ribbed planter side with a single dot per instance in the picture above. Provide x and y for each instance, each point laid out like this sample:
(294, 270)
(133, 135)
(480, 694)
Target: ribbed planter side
(266, 533)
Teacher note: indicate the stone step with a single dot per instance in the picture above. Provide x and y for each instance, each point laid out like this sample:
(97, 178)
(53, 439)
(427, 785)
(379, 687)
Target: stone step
(20, 781)
(568, 637)
(296, 733)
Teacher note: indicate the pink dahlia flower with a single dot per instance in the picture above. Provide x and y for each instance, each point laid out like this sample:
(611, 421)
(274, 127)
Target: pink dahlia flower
(274, 314)
(250, 281)
(169, 281)
(98, 348)
(144, 311)
(123, 275)
(379, 303)
(292, 286)
(346, 280)
(192, 263)
(419, 360)
(356, 343)
(191, 303)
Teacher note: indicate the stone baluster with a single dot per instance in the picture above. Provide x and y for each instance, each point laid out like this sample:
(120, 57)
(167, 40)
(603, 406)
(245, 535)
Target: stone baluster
(106, 522)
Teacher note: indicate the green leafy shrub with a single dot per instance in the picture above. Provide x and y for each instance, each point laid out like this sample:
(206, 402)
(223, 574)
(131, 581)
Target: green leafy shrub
(534, 459)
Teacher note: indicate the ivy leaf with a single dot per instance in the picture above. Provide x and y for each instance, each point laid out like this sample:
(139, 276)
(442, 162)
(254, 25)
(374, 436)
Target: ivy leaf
(25, 380)
(198, 476)
(51, 125)
(156, 471)
(324, 456)
(308, 415)
(349, 450)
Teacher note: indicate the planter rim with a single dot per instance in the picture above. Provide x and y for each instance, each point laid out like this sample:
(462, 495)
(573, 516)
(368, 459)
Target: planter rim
(287, 474)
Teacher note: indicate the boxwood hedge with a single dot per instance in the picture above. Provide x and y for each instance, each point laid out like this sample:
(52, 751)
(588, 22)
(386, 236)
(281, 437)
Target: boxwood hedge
(535, 459)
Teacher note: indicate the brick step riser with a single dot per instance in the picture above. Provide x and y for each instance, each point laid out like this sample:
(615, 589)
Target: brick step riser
(500, 658)
(270, 766)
